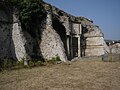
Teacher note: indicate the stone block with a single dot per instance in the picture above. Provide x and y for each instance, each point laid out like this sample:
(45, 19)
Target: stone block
(95, 41)
(96, 51)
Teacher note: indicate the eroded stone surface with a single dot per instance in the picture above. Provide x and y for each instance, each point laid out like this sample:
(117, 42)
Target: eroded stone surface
(51, 44)
(115, 48)
(61, 34)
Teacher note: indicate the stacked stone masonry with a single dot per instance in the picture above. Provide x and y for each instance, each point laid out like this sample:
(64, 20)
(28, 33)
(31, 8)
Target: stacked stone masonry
(61, 35)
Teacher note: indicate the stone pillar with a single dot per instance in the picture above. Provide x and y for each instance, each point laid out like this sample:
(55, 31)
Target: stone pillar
(71, 50)
(80, 29)
(79, 36)
(79, 50)
(68, 47)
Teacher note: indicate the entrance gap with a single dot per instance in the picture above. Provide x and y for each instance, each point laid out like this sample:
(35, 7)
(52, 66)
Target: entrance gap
(83, 41)
(75, 46)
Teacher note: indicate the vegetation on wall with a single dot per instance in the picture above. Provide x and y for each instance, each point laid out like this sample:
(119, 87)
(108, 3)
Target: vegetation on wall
(31, 13)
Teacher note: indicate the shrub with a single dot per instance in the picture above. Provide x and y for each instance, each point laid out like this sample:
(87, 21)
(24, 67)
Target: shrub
(58, 58)
(6, 64)
(54, 60)
(39, 63)
(31, 63)
(20, 63)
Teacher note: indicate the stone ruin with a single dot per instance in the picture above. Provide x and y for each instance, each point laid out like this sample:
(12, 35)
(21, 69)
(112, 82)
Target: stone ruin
(113, 46)
(60, 34)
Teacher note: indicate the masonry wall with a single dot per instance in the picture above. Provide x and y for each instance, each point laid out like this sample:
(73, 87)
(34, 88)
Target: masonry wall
(51, 40)
(4, 39)
(25, 45)
(15, 43)
(5, 33)
(51, 44)
(94, 42)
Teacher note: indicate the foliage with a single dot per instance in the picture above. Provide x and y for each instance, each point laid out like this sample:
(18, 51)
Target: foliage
(58, 58)
(20, 63)
(54, 60)
(33, 63)
(9, 64)
(6, 64)
(31, 13)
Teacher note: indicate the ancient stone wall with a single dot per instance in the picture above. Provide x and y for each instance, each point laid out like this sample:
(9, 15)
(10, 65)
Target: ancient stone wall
(55, 36)
(115, 48)
(89, 37)
(23, 42)
(51, 44)
(15, 43)
(94, 41)
(106, 48)
(5, 32)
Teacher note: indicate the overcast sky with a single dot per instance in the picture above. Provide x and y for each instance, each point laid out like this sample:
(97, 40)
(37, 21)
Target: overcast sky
(104, 13)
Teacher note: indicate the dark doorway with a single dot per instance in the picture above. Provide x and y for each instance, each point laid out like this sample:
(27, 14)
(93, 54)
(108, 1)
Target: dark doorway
(75, 46)
(83, 41)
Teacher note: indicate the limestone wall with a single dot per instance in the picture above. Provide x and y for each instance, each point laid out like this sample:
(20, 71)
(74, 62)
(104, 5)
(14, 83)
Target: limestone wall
(66, 23)
(106, 48)
(76, 28)
(4, 39)
(5, 34)
(51, 44)
(3, 16)
(14, 42)
(94, 51)
(94, 46)
(92, 35)
(115, 48)
(24, 45)
(94, 41)
(19, 41)
(50, 40)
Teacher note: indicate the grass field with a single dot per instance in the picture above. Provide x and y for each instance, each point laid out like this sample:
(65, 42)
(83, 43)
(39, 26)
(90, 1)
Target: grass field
(78, 75)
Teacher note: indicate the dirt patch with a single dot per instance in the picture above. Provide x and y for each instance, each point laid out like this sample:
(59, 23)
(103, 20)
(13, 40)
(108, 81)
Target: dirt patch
(78, 75)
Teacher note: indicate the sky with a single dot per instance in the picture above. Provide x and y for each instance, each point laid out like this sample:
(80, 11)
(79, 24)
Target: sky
(104, 13)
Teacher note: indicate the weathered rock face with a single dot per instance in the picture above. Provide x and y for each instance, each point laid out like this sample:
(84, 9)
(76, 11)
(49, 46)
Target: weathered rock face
(60, 35)
(14, 42)
(106, 48)
(94, 41)
(51, 44)
(115, 48)
(5, 32)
